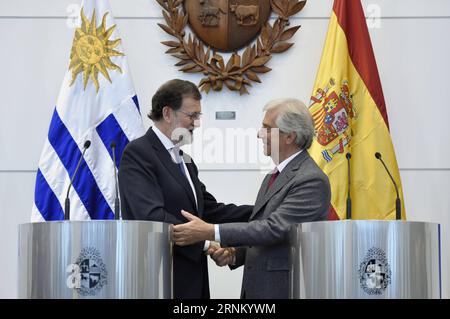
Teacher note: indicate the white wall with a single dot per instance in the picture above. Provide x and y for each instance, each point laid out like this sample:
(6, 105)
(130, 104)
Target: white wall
(411, 46)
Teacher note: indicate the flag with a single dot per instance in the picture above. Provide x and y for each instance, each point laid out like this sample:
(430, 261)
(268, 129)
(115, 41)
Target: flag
(97, 102)
(349, 111)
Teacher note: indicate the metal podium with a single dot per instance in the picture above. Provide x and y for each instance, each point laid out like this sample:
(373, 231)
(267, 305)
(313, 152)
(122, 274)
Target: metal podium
(95, 259)
(365, 259)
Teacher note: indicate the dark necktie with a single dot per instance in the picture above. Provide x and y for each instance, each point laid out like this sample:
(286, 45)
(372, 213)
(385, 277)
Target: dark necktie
(178, 159)
(178, 155)
(273, 178)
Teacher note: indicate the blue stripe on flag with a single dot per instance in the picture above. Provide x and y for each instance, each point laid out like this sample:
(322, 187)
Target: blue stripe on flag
(135, 99)
(109, 130)
(45, 200)
(84, 183)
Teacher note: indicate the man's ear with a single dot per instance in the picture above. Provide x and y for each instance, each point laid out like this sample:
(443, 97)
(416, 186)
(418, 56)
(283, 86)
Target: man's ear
(167, 114)
(291, 137)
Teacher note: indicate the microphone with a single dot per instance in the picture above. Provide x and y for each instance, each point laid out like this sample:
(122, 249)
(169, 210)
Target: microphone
(116, 200)
(67, 203)
(349, 200)
(398, 207)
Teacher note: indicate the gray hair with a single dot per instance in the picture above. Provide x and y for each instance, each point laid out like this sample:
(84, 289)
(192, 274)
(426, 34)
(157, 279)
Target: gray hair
(294, 117)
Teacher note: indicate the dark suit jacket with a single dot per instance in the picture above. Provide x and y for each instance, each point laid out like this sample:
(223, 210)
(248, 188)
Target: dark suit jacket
(301, 193)
(152, 187)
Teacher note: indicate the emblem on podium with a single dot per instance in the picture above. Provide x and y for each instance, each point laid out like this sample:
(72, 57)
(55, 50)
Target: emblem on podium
(375, 272)
(88, 274)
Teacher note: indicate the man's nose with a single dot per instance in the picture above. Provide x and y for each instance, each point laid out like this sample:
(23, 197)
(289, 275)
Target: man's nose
(197, 123)
(261, 133)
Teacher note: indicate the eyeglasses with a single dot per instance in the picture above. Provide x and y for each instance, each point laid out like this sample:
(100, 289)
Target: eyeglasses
(268, 129)
(192, 115)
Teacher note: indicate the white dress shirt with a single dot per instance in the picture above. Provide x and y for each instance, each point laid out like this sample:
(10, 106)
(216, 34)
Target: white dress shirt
(171, 148)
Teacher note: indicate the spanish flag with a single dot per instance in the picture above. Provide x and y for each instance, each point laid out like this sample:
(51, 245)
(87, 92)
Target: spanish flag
(350, 117)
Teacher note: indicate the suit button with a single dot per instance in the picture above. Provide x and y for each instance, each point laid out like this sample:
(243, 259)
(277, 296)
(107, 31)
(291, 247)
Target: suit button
(249, 267)
(249, 246)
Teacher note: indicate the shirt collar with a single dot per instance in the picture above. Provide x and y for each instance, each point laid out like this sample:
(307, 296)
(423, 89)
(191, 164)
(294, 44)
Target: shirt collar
(284, 163)
(168, 144)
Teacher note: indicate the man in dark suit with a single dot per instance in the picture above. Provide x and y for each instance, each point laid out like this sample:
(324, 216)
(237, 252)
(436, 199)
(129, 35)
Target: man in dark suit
(296, 191)
(157, 181)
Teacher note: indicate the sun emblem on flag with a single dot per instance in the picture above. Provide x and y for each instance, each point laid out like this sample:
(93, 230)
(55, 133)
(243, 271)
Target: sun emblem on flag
(92, 50)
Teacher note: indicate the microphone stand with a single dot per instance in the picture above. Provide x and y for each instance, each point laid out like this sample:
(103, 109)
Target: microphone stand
(349, 200)
(67, 202)
(116, 200)
(398, 206)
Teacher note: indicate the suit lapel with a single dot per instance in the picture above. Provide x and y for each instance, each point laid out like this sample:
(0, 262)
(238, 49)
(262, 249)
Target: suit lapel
(197, 187)
(287, 174)
(171, 166)
(262, 192)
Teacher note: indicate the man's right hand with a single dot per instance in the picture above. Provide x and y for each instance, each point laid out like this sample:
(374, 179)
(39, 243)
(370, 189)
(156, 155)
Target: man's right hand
(213, 246)
(224, 256)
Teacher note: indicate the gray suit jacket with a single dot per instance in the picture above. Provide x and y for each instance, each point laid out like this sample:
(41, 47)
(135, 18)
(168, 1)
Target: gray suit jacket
(301, 193)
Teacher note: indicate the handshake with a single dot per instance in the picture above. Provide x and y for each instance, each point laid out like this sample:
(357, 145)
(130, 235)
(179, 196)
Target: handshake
(196, 230)
(221, 256)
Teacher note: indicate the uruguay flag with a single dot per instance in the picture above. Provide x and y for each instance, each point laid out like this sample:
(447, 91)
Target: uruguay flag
(97, 102)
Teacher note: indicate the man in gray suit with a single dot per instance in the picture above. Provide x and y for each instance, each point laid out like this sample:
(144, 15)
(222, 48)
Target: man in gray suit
(296, 191)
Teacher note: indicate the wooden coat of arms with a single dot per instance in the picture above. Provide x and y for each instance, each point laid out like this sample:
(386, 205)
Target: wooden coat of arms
(228, 25)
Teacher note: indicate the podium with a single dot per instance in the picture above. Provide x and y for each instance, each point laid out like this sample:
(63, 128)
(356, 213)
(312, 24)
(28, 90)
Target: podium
(95, 259)
(365, 259)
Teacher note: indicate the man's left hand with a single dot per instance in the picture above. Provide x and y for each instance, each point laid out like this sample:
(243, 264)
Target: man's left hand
(193, 231)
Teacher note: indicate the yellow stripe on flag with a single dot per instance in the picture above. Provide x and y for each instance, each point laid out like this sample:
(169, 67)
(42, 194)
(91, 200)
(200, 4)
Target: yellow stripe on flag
(359, 128)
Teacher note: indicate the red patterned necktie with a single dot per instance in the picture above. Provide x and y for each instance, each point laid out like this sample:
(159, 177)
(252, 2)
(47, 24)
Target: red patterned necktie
(273, 178)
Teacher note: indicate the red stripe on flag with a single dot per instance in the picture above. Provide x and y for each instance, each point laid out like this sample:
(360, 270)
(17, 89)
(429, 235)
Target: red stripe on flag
(350, 16)
(332, 215)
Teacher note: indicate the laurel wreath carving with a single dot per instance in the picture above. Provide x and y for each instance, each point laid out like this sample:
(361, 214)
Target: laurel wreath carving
(238, 72)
